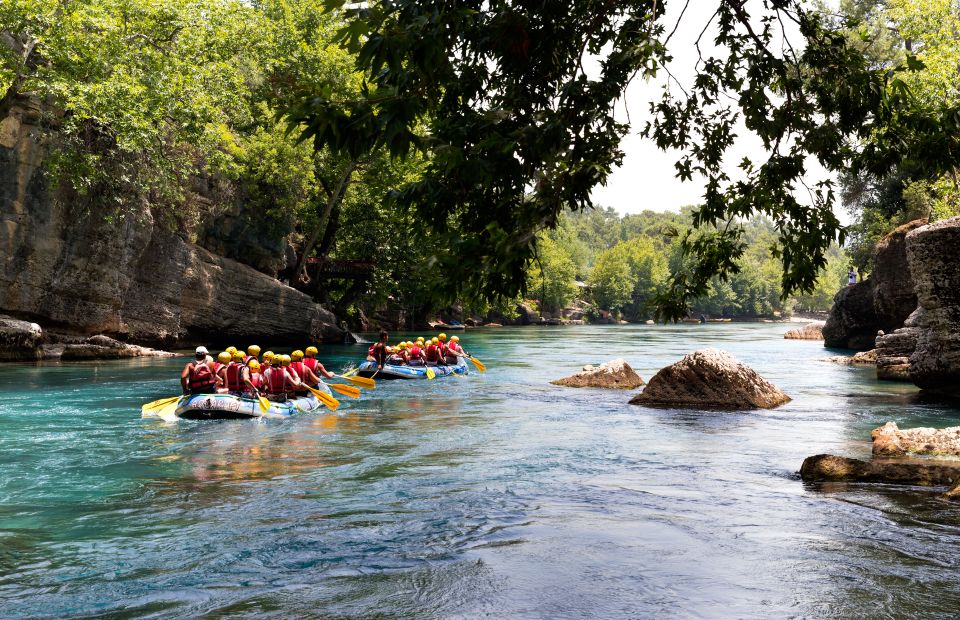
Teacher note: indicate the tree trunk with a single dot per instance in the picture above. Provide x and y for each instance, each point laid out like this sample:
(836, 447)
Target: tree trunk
(333, 201)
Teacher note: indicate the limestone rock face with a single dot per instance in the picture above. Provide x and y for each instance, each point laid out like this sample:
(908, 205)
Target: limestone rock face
(894, 297)
(852, 323)
(125, 275)
(933, 256)
(889, 440)
(19, 340)
(826, 467)
(710, 379)
(615, 374)
(810, 331)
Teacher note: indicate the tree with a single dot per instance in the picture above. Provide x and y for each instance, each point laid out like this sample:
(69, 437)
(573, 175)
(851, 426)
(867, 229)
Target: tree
(517, 131)
(551, 276)
(611, 279)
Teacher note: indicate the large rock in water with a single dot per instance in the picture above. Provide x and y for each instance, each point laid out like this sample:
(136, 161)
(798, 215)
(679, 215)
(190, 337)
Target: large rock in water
(810, 331)
(852, 323)
(710, 379)
(826, 467)
(935, 265)
(890, 440)
(19, 340)
(124, 275)
(614, 374)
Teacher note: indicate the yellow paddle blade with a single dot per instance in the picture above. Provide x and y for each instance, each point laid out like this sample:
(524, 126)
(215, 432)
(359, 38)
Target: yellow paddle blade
(158, 404)
(168, 411)
(480, 365)
(350, 373)
(346, 390)
(264, 404)
(363, 382)
(329, 401)
(430, 373)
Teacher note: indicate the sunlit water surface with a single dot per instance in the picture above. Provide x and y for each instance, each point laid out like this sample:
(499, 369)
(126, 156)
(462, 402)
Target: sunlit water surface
(495, 495)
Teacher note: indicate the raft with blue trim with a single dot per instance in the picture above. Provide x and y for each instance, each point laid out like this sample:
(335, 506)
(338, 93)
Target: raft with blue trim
(230, 407)
(389, 371)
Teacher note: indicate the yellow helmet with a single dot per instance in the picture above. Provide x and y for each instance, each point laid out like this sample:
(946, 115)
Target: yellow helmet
(435, 340)
(311, 351)
(253, 350)
(254, 365)
(285, 360)
(231, 350)
(442, 337)
(419, 338)
(224, 357)
(402, 345)
(297, 355)
(455, 339)
(269, 356)
(237, 356)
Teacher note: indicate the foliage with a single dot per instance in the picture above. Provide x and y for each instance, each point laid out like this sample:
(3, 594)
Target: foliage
(551, 278)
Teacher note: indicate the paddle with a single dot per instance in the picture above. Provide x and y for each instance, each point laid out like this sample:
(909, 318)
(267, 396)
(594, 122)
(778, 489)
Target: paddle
(480, 365)
(346, 390)
(264, 403)
(157, 404)
(330, 402)
(363, 382)
(430, 373)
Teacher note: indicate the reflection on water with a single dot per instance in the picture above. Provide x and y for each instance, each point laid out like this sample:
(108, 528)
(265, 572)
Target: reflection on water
(497, 494)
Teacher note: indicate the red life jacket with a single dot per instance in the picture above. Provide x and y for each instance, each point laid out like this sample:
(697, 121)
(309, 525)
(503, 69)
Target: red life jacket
(235, 377)
(454, 348)
(276, 380)
(256, 379)
(433, 353)
(298, 368)
(370, 350)
(200, 377)
(415, 352)
(217, 366)
(247, 358)
(311, 363)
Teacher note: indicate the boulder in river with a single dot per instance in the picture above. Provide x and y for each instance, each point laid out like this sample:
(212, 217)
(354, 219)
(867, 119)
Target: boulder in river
(863, 358)
(615, 374)
(827, 467)
(852, 323)
(19, 340)
(710, 379)
(810, 331)
(890, 440)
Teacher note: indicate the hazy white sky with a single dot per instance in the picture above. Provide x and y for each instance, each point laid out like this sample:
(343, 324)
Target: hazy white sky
(647, 178)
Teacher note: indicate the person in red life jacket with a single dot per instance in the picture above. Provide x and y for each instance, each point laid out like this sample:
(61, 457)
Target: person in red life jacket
(415, 354)
(268, 359)
(280, 380)
(311, 362)
(396, 357)
(454, 350)
(303, 372)
(380, 350)
(256, 379)
(444, 351)
(433, 353)
(253, 352)
(198, 376)
(237, 376)
(223, 359)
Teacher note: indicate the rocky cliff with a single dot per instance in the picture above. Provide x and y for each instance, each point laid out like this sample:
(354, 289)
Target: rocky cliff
(882, 302)
(124, 274)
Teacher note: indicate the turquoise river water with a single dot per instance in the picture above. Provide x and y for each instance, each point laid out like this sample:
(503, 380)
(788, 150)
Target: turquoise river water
(495, 495)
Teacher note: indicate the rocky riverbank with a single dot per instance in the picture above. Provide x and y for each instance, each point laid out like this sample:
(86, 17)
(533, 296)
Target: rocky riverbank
(127, 275)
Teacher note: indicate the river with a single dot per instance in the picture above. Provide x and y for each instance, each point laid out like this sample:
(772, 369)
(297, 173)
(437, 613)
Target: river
(495, 495)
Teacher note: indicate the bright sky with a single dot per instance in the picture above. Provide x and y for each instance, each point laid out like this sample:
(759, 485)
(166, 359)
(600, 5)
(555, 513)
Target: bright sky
(647, 178)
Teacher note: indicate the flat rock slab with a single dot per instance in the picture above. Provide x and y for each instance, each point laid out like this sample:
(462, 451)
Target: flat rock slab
(710, 379)
(863, 358)
(615, 374)
(890, 440)
(19, 340)
(811, 331)
(827, 467)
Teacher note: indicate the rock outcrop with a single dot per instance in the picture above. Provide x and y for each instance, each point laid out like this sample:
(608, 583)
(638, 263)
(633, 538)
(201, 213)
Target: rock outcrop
(863, 358)
(852, 323)
(615, 374)
(124, 274)
(810, 331)
(710, 379)
(894, 349)
(889, 440)
(881, 302)
(19, 340)
(826, 467)
(933, 257)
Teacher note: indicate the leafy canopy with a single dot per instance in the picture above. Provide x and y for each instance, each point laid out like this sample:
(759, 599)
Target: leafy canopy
(517, 131)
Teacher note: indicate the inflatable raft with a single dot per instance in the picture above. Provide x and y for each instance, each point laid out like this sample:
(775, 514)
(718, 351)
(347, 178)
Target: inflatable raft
(389, 371)
(230, 407)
